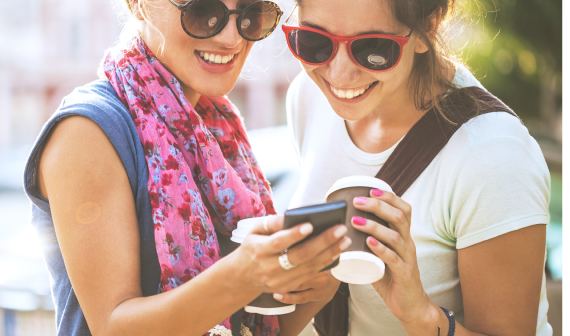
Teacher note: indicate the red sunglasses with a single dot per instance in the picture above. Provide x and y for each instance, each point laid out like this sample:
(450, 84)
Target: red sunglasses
(375, 52)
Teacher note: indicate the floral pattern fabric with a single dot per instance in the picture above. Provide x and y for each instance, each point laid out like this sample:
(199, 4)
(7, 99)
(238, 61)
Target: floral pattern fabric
(203, 176)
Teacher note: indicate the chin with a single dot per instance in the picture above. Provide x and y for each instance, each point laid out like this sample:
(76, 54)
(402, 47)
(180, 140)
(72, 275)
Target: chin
(215, 93)
(215, 89)
(349, 113)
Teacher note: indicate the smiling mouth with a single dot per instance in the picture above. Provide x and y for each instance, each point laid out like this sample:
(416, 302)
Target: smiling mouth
(351, 93)
(214, 58)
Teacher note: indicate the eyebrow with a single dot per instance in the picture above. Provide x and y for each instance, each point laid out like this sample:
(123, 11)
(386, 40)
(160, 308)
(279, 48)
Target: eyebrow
(312, 25)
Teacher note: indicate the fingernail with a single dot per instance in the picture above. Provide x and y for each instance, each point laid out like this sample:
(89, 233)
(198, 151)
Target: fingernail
(277, 296)
(359, 221)
(360, 200)
(345, 244)
(341, 231)
(377, 192)
(373, 241)
(306, 229)
(335, 257)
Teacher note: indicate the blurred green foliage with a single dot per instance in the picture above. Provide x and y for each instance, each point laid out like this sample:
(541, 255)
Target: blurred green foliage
(516, 51)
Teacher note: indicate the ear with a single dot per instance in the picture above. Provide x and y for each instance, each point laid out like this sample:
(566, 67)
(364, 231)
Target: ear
(433, 26)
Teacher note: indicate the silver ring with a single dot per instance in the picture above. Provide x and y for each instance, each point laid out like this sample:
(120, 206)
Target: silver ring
(284, 262)
(265, 219)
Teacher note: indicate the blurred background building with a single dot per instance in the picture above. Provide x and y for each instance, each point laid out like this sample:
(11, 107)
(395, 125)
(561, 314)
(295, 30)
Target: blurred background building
(49, 47)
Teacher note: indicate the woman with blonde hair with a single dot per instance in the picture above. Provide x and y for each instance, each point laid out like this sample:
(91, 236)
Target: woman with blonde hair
(139, 178)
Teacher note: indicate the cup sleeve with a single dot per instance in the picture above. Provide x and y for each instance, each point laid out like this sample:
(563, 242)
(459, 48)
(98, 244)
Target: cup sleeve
(498, 185)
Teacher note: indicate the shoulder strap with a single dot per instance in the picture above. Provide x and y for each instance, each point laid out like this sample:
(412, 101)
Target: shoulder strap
(430, 134)
(410, 158)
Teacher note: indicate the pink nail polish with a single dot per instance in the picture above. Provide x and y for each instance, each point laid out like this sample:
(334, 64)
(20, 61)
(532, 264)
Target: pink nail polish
(377, 192)
(359, 221)
(372, 241)
(360, 200)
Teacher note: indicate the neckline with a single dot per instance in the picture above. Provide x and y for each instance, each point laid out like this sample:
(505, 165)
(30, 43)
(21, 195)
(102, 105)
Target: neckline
(357, 154)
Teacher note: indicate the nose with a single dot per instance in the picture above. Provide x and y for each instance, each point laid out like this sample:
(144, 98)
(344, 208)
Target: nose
(341, 70)
(229, 37)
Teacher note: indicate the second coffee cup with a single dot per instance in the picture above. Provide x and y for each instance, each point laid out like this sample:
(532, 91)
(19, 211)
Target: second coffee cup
(264, 304)
(358, 264)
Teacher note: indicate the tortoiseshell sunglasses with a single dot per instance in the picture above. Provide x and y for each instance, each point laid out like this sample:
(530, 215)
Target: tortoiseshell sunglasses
(202, 19)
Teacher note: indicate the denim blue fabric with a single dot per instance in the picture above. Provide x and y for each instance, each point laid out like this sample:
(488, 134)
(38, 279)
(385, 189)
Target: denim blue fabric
(98, 102)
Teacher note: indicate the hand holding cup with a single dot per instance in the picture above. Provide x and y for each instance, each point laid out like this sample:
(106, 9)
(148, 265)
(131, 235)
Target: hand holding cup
(401, 287)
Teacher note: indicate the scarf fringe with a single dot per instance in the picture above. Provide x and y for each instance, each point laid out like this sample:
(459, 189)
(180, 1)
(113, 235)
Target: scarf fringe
(220, 330)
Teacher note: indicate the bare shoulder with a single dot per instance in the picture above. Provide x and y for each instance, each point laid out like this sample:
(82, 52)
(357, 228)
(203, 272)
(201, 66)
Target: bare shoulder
(77, 148)
(94, 216)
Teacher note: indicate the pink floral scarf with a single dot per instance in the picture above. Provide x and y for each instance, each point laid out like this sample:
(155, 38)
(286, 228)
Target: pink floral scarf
(203, 176)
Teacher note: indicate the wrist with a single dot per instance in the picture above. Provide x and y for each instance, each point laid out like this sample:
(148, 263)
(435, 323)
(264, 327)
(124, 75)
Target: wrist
(331, 289)
(236, 264)
(428, 322)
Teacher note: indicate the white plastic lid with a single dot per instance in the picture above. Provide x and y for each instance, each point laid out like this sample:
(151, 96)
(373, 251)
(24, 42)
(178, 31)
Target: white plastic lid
(244, 227)
(359, 181)
(270, 311)
(359, 268)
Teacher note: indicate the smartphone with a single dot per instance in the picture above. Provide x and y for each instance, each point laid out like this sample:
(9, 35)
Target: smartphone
(322, 216)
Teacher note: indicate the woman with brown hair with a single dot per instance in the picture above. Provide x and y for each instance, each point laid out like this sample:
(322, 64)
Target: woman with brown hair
(138, 180)
(468, 235)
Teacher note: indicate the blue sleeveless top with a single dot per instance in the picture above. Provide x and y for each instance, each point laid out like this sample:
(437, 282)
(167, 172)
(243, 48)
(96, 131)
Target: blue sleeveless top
(98, 102)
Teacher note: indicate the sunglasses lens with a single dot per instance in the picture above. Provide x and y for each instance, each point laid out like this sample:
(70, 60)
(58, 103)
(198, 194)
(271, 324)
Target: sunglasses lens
(203, 18)
(258, 20)
(309, 46)
(376, 53)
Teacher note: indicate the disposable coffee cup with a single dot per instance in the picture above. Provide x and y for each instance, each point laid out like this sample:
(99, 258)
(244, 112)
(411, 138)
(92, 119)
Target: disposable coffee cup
(357, 264)
(264, 304)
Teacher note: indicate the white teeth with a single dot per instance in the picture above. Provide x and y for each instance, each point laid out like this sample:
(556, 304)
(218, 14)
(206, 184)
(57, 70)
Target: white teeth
(349, 93)
(217, 59)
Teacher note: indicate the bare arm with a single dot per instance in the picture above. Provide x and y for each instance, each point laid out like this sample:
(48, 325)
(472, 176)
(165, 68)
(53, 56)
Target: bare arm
(95, 221)
(501, 281)
(500, 278)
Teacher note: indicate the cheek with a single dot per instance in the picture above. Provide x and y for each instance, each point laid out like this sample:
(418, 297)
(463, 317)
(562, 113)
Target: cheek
(408, 54)
(399, 75)
(245, 52)
(312, 71)
(309, 68)
(171, 42)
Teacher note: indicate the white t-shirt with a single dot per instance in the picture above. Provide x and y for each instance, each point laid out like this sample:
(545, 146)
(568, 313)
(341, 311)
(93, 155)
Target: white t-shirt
(491, 178)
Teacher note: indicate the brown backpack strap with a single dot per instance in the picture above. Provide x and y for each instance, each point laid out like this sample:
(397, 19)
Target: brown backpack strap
(410, 158)
(430, 134)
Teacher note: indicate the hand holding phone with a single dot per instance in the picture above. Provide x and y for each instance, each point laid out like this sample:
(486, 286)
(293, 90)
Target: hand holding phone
(321, 216)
